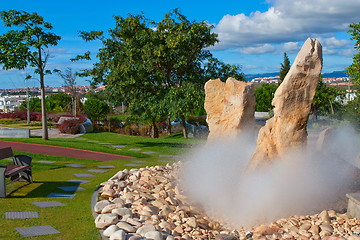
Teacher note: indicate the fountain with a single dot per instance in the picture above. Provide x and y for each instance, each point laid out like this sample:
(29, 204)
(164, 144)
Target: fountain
(274, 188)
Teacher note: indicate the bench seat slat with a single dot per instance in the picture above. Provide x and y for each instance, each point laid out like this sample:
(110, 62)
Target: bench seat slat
(12, 169)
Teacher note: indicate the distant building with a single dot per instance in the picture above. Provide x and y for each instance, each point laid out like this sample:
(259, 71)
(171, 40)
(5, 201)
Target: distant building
(11, 103)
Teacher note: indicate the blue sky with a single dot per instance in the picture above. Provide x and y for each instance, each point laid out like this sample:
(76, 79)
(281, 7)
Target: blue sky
(253, 34)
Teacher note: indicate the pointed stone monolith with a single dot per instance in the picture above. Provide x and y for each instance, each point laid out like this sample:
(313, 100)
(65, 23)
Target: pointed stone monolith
(286, 130)
(230, 107)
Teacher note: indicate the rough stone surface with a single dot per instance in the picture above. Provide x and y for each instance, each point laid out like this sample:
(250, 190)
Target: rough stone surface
(99, 206)
(286, 130)
(118, 235)
(230, 107)
(110, 230)
(105, 220)
(126, 227)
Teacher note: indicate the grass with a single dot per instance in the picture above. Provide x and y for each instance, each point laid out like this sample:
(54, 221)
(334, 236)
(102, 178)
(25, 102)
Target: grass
(22, 125)
(74, 221)
(172, 144)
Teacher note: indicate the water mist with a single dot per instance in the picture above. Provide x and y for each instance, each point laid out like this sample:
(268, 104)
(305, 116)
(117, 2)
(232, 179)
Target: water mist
(303, 182)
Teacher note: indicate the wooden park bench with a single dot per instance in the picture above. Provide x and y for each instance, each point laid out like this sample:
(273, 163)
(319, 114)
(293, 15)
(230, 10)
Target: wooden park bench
(20, 169)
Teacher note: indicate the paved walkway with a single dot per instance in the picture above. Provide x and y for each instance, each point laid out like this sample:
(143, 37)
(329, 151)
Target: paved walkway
(61, 151)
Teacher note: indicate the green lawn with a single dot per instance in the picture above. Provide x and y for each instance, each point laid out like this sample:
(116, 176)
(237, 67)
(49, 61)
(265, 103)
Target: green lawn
(75, 221)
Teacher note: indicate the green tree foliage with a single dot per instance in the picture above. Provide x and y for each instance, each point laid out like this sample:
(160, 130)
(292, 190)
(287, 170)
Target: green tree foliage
(55, 103)
(58, 103)
(354, 69)
(264, 96)
(351, 112)
(285, 67)
(324, 100)
(142, 60)
(27, 45)
(183, 101)
(96, 109)
(214, 69)
(34, 104)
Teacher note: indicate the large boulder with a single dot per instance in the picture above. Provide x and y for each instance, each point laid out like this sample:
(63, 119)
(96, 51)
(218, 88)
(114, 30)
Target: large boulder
(230, 107)
(286, 131)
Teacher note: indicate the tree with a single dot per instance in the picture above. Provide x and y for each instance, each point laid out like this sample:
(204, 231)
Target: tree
(96, 109)
(284, 69)
(34, 104)
(58, 103)
(354, 69)
(214, 69)
(27, 46)
(183, 101)
(142, 60)
(69, 78)
(264, 96)
(324, 101)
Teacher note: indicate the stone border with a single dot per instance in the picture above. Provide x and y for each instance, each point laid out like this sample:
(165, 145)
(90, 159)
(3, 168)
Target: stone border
(93, 201)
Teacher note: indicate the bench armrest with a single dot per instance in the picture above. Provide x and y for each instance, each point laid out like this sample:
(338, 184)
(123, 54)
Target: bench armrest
(22, 160)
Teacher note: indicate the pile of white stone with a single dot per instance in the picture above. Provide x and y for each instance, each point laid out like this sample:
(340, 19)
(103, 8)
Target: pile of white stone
(147, 203)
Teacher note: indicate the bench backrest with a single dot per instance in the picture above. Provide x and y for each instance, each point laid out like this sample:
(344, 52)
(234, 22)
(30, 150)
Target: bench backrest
(6, 153)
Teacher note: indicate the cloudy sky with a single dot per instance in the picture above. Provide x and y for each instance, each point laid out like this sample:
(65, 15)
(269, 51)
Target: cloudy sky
(253, 34)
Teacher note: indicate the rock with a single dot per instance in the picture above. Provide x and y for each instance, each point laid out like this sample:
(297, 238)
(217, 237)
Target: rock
(225, 237)
(133, 222)
(314, 229)
(126, 227)
(109, 208)
(326, 227)
(107, 193)
(230, 107)
(118, 235)
(110, 230)
(263, 230)
(286, 130)
(99, 206)
(322, 141)
(169, 237)
(155, 235)
(135, 237)
(122, 211)
(305, 226)
(192, 222)
(144, 229)
(179, 229)
(104, 220)
(324, 216)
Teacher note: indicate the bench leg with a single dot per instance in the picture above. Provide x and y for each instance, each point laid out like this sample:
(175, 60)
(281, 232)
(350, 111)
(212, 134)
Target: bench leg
(2, 182)
(26, 175)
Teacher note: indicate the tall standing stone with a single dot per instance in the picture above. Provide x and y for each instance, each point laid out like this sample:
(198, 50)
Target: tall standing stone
(292, 101)
(230, 107)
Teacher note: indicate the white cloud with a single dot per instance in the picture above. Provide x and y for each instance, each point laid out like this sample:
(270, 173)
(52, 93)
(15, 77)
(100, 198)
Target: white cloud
(333, 42)
(287, 21)
(291, 47)
(265, 48)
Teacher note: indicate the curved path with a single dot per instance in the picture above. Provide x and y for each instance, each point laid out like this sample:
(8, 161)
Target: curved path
(61, 151)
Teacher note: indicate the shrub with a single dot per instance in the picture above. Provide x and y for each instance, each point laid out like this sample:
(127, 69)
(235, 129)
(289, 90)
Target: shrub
(71, 126)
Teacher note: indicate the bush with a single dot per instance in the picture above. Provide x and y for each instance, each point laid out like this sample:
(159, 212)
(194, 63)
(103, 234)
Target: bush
(71, 126)
(22, 115)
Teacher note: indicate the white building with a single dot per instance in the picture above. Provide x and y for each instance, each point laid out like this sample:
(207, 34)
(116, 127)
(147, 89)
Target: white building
(11, 103)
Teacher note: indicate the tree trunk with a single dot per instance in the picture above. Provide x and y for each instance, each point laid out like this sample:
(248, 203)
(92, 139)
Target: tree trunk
(168, 126)
(332, 107)
(45, 134)
(183, 122)
(155, 130)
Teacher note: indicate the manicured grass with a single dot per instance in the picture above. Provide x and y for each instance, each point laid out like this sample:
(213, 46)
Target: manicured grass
(22, 124)
(75, 221)
(172, 144)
